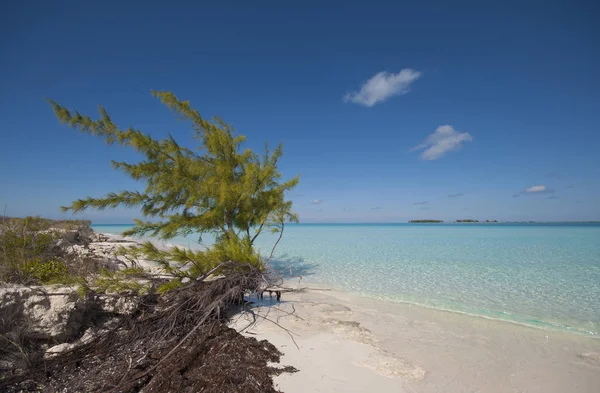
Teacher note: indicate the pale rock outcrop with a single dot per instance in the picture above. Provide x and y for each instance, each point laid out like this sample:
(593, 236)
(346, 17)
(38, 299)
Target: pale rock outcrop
(57, 314)
(48, 313)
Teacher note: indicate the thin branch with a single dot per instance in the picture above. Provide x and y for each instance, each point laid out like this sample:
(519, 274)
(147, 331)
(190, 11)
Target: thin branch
(288, 331)
(277, 242)
(258, 231)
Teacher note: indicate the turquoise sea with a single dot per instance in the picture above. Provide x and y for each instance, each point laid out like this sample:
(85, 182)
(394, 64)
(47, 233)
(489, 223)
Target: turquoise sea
(542, 275)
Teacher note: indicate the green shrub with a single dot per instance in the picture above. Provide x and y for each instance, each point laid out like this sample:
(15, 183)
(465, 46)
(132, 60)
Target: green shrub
(121, 281)
(29, 251)
(47, 272)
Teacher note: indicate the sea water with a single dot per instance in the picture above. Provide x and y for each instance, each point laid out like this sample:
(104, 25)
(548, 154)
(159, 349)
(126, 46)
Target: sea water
(542, 275)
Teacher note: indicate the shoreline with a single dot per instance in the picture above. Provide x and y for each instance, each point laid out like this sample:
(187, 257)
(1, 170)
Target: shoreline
(343, 341)
(350, 343)
(546, 326)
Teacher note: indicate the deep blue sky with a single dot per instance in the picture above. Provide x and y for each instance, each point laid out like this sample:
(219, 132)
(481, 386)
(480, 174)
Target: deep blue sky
(517, 81)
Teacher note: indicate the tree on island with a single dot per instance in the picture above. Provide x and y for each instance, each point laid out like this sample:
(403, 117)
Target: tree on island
(231, 192)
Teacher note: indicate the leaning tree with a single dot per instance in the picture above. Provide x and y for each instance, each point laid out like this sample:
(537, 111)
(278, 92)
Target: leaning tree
(219, 188)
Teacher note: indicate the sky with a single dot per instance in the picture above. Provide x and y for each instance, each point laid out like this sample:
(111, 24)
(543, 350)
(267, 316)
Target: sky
(388, 110)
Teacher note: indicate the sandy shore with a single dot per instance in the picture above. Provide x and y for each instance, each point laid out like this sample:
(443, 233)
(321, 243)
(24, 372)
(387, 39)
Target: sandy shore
(346, 343)
(349, 343)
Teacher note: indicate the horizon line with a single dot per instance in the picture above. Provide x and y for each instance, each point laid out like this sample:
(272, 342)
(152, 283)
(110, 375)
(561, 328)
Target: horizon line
(408, 222)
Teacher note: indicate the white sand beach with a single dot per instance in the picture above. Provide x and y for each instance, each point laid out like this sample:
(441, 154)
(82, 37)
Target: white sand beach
(349, 343)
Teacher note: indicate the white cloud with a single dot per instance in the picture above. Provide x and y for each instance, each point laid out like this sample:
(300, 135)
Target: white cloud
(536, 189)
(444, 139)
(316, 201)
(541, 189)
(382, 86)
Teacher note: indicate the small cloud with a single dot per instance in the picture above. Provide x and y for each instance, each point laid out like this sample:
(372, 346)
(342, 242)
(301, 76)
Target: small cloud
(382, 86)
(541, 189)
(316, 202)
(376, 208)
(455, 195)
(536, 189)
(421, 203)
(444, 139)
(552, 197)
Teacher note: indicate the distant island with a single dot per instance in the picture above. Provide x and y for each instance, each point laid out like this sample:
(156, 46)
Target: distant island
(466, 221)
(473, 221)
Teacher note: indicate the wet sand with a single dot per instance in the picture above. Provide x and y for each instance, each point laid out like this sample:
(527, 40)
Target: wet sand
(350, 343)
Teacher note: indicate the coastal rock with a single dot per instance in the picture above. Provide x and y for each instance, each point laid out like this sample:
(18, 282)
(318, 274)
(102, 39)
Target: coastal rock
(57, 350)
(57, 313)
(80, 236)
(71, 236)
(48, 313)
(119, 305)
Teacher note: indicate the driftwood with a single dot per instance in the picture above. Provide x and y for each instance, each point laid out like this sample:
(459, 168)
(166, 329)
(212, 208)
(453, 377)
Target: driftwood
(178, 342)
(278, 291)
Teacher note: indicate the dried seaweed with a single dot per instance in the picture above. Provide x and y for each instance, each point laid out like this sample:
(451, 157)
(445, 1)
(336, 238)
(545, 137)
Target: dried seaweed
(176, 343)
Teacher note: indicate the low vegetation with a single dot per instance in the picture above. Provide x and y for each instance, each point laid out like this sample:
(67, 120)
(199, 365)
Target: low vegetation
(31, 251)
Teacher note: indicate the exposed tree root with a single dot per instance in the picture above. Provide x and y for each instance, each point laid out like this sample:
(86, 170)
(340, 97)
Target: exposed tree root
(177, 343)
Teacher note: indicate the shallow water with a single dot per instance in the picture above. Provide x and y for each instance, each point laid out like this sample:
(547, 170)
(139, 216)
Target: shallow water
(540, 275)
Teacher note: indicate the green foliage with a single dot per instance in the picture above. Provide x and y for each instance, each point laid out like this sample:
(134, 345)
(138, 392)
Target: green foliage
(121, 281)
(220, 188)
(30, 253)
(26, 250)
(47, 272)
(170, 285)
